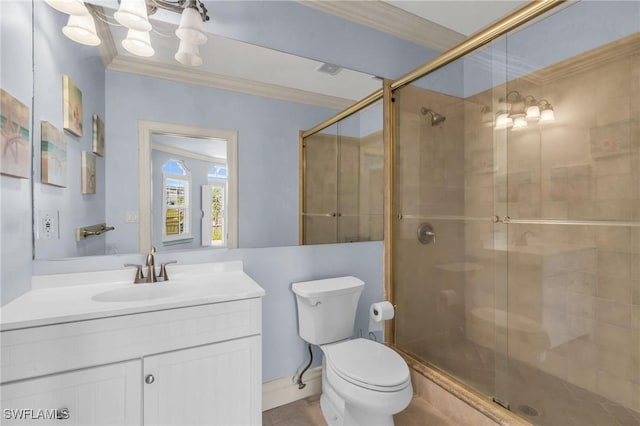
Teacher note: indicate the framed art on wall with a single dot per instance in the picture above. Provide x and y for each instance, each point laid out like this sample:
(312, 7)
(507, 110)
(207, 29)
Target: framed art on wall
(98, 135)
(72, 106)
(15, 147)
(54, 155)
(88, 173)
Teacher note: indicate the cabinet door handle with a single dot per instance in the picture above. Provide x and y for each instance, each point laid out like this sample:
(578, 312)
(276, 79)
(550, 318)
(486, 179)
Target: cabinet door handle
(148, 379)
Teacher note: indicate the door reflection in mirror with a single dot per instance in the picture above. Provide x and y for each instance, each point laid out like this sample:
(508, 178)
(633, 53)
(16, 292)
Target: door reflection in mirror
(189, 192)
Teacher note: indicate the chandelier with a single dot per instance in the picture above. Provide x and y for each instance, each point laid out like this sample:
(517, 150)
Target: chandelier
(134, 15)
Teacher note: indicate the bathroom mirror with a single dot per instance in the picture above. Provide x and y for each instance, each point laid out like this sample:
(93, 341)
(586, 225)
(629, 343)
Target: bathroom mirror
(188, 187)
(113, 92)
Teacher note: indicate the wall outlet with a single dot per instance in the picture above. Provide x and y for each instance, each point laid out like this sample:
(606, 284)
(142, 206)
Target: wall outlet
(48, 225)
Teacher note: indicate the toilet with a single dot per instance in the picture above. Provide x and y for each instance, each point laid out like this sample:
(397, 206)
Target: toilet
(363, 382)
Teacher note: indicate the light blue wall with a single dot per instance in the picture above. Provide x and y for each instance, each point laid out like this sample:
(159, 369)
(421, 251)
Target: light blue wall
(448, 80)
(372, 119)
(274, 269)
(15, 194)
(364, 122)
(267, 152)
(54, 56)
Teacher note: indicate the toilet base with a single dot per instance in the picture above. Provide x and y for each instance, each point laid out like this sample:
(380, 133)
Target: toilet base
(337, 412)
(351, 415)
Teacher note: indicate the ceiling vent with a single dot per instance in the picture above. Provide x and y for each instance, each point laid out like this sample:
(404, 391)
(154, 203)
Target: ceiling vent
(329, 69)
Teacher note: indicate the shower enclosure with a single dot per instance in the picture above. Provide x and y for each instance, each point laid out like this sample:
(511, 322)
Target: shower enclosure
(515, 221)
(511, 210)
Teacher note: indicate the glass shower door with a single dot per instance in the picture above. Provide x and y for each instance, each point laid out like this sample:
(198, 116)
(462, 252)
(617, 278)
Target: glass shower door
(516, 217)
(320, 203)
(449, 266)
(573, 204)
(361, 175)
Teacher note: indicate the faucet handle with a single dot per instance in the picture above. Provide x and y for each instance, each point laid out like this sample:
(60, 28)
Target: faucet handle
(163, 270)
(139, 275)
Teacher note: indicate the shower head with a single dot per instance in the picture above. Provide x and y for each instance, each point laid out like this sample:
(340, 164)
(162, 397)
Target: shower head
(436, 118)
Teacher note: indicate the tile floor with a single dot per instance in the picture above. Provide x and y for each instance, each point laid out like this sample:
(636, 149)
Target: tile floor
(306, 412)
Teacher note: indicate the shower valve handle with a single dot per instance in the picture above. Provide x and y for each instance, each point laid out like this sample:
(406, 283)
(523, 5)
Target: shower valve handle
(426, 234)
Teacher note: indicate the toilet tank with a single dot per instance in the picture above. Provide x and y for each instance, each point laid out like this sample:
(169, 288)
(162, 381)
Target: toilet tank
(327, 308)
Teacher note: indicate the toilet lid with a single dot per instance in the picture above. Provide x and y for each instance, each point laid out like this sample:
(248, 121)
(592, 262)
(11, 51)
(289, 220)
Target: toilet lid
(365, 362)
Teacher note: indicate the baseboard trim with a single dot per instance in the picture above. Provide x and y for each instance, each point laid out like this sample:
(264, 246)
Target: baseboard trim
(283, 391)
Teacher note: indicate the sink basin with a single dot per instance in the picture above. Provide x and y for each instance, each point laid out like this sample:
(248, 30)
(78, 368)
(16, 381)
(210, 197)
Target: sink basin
(140, 292)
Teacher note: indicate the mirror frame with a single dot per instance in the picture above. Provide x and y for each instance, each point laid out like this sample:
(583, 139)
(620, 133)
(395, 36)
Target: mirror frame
(145, 196)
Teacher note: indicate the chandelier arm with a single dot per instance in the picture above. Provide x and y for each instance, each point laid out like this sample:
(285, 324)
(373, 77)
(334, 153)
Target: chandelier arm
(96, 12)
(168, 5)
(205, 16)
(178, 6)
(104, 18)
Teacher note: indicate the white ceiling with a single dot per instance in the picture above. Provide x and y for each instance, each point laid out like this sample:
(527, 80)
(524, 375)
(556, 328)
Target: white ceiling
(463, 16)
(248, 62)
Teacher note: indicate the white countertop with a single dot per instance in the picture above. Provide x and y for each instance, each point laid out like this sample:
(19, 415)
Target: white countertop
(76, 297)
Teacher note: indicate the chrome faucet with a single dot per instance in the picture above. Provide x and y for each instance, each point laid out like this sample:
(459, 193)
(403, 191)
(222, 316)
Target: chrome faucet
(151, 267)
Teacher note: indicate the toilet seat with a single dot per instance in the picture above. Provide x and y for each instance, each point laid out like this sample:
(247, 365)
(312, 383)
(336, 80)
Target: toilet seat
(367, 364)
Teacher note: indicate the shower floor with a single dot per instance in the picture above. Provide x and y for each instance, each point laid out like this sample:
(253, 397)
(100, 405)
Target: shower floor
(539, 397)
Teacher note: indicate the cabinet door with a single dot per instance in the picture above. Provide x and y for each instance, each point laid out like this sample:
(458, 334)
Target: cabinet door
(217, 384)
(108, 395)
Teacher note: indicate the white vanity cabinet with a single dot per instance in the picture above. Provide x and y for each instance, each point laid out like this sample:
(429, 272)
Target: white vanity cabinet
(207, 385)
(191, 365)
(107, 395)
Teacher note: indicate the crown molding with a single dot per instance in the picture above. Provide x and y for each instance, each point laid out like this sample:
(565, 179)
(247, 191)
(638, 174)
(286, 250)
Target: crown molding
(620, 49)
(582, 62)
(392, 20)
(218, 81)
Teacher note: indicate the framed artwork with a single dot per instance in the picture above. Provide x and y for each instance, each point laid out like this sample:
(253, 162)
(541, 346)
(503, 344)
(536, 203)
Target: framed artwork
(88, 173)
(98, 135)
(15, 147)
(72, 106)
(54, 155)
